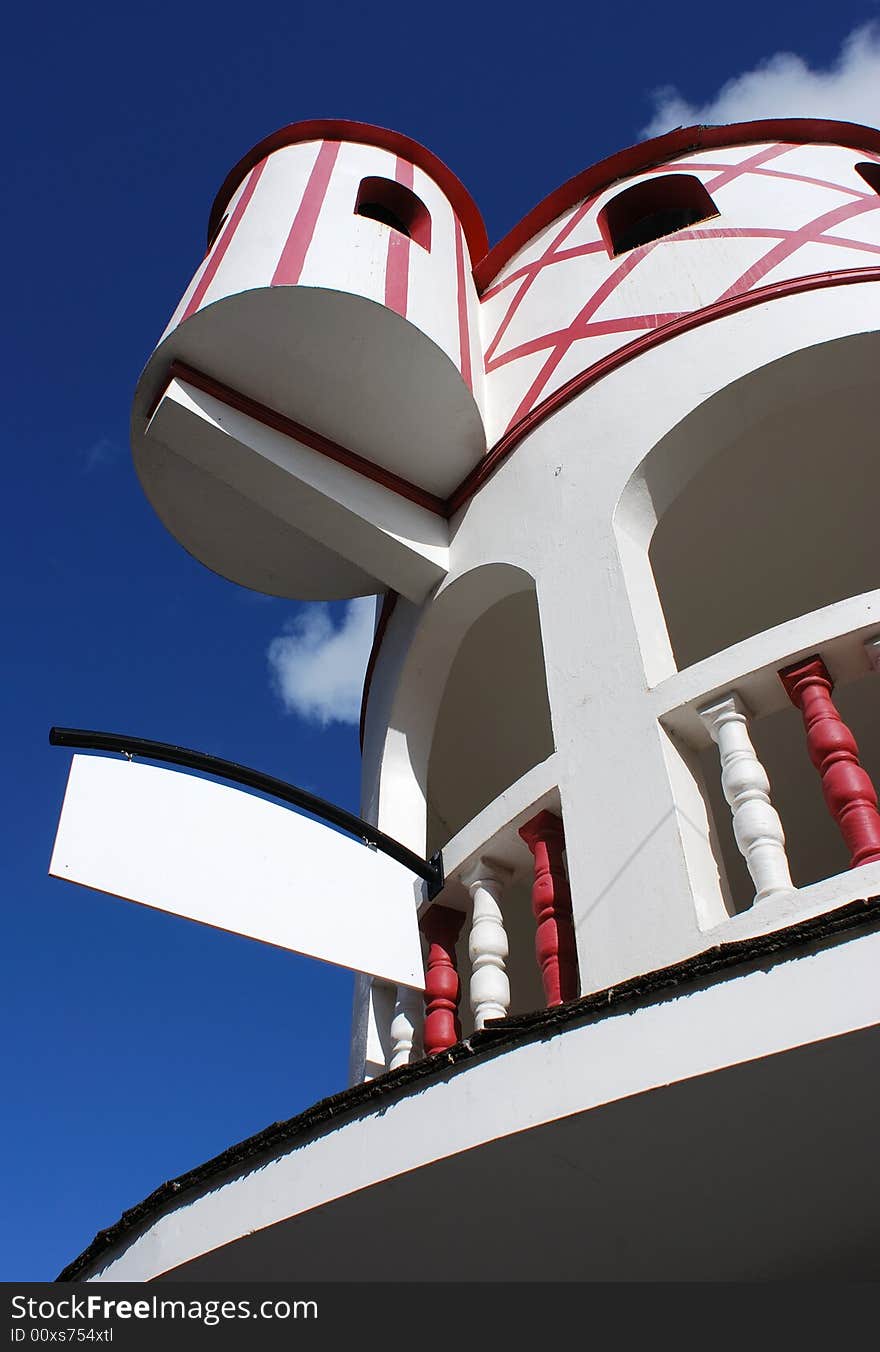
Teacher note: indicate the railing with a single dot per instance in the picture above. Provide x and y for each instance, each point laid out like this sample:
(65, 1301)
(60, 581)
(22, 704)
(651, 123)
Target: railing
(521, 830)
(719, 698)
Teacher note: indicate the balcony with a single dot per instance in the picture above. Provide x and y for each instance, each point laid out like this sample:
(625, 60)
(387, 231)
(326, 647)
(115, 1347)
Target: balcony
(773, 851)
(500, 930)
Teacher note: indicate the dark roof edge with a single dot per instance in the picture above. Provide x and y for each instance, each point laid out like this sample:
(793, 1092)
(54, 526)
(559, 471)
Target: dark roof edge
(498, 1036)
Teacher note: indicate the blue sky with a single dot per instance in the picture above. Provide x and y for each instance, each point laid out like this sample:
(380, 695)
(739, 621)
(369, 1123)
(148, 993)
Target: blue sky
(137, 1045)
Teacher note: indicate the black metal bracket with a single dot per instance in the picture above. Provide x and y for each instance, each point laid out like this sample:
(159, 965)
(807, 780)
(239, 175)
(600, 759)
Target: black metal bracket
(429, 869)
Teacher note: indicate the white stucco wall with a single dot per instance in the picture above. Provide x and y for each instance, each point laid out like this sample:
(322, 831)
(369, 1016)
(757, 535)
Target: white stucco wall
(616, 1060)
(644, 894)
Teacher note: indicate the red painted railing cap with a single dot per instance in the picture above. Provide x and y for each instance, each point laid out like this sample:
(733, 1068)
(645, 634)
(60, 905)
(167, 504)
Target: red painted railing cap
(806, 669)
(544, 824)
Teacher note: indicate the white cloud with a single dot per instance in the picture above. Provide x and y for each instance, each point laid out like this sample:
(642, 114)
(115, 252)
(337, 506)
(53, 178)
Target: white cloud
(101, 452)
(785, 86)
(318, 668)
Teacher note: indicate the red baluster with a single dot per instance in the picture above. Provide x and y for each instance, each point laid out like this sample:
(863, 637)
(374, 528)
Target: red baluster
(849, 793)
(551, 902)
(441, 927)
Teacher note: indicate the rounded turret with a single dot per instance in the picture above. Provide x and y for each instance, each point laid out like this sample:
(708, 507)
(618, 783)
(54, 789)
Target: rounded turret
(336, 303)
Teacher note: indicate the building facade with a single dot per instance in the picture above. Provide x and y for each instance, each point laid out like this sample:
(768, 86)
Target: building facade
(612, 484)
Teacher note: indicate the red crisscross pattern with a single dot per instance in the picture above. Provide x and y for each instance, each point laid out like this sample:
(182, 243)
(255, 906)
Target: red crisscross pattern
(857, 199)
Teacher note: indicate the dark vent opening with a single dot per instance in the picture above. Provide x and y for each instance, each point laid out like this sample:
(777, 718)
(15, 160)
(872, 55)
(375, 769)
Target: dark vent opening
(395, 205)
(375, 211)
(869, 170)
(652, 210)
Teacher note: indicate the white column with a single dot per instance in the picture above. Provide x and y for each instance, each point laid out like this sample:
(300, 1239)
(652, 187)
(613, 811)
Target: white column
(405, 1026)
(756, 823)
(487, 945)
(872, 648)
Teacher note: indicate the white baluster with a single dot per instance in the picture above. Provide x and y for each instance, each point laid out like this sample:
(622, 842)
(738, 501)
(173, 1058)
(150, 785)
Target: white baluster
(872, 648)
(487, 945)
(756, 823)
(405, 1027)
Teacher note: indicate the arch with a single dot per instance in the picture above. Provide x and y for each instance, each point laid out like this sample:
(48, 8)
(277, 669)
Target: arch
(475, 659)
(756, 507)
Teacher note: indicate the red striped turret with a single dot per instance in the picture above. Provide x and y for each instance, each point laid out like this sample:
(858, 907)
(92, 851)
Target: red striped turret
(335, 305)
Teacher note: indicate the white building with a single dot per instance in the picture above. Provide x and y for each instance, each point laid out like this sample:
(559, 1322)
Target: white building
(609, 479)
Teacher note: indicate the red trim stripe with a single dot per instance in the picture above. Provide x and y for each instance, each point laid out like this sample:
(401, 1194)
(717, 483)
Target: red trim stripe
(269, 417)
(223, 242)
(592, 328)
(397, 265)
(731, 172)
(362, 133)
(464, 335)
(531, 271)
(293, 255)
(502, 449)
(787, 174)
(546, 261)
(572, 333)
(811, 233)
(614, 360)
(653, 154)
(642, 158)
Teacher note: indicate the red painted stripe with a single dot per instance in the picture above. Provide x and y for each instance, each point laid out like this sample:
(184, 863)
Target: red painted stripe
(598, 246)
(811, 233)
(649, 155)
(731, 172)
(572, 333)
(642, 158)
(792, 240)
(512, 438)
(614, 360)
(760, 232)
(577, 329)
(397, 266)
(596, 329)
(269, 417)
(532, 271)
(362, 133)
(223, 242)
(723, 175)
(464, 336)
(560, 256)
(599, 327)
(788, 174)
(293, 255)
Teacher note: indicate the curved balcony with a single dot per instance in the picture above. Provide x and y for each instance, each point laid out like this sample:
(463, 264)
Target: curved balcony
(801, 692)
(505, 878)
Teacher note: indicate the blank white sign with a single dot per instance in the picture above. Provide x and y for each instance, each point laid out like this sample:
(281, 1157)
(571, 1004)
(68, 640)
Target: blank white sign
(228, 859)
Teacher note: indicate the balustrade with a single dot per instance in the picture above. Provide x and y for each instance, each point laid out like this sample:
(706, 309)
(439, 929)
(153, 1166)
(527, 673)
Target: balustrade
(848, 790)
(405, 1027)
(555, 947)
(441, 926)
(487, 945)
(756, 824)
